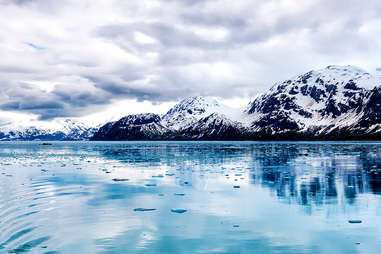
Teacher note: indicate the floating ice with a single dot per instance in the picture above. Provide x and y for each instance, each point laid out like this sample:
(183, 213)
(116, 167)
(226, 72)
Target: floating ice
(120, 179)
(355, 221)
(144, 209)
(178, 210)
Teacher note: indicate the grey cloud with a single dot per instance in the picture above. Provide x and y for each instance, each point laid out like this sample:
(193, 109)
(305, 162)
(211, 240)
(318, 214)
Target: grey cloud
(17, 2)
(30, 103)
(168, 35)
(95, 59)
(116, 90)
(208, 19)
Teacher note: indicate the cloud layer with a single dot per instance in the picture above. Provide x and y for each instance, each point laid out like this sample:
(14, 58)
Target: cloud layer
(68, 58)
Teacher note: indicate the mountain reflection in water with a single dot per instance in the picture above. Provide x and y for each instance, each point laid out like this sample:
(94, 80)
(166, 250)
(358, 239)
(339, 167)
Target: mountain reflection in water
(190, 197)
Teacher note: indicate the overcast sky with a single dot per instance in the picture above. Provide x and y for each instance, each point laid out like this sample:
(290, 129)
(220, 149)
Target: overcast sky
(106, 58)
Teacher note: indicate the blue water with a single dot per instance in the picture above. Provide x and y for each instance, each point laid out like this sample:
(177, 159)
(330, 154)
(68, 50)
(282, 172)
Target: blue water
(190, 197)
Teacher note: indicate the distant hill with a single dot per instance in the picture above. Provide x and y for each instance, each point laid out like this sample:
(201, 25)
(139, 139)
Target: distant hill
(66, 130)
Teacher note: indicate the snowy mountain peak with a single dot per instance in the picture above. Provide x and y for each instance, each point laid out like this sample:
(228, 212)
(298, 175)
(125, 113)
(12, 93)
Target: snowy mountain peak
(334, 85)
(194, 105)
(190, 110)
(339, 76)
(345, 69)
(333, 96)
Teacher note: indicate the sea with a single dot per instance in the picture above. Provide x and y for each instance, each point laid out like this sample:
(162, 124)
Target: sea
(190, 197)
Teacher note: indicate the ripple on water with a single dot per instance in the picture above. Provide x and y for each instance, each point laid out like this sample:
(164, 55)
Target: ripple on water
(25, 247)
(19, 214)
(44, 205)
(15, 236)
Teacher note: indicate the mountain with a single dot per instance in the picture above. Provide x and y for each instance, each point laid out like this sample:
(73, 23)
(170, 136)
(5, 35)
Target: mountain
(195, 117)
(319, 104)
(192, 109)
(214, 127)
(133, 127)
(337, 102)
(68, 130)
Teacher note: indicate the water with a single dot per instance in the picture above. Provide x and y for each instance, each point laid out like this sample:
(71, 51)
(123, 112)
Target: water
(190, 197)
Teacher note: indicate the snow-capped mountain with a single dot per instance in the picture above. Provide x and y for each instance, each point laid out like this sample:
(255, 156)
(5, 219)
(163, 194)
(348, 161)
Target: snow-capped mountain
(195, 117)
(316, 103)
(56, 130)
(338, 102)
(192, 109)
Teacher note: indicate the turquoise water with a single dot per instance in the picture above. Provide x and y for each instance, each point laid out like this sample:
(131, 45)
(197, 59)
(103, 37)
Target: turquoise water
(190, 197)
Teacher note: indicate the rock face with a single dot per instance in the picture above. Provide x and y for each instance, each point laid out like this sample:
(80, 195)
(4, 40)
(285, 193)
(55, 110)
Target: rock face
(133, 127)
(338, 102)
(214, 127)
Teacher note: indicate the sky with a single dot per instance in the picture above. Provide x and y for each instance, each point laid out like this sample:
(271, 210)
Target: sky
(100, 59)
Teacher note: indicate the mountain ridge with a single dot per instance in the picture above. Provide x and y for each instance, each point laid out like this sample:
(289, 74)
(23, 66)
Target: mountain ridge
(62, 130)
(334, 103)
(337, 102)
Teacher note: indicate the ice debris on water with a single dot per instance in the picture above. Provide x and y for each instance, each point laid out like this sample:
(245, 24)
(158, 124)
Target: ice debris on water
(144, 209)
(178, 210)
(120, 179)
(355, 221)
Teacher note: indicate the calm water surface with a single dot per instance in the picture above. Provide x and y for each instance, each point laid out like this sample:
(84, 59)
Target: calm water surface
(190, 197)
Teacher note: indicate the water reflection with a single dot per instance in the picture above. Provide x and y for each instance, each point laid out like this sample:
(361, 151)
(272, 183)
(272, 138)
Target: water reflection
(304, 172)
(236, 196)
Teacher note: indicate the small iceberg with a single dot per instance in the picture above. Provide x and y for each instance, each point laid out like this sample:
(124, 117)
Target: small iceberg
(144, 209)
(355, 221)
(178, 210)
(120, 179)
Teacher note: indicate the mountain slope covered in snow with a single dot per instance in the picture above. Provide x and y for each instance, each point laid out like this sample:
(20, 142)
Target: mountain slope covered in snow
(318, 104)
(337, 102)
(67, 130)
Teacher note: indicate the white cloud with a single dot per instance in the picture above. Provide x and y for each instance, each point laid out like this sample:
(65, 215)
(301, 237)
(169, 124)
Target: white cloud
(143, 38)
(68, 58)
